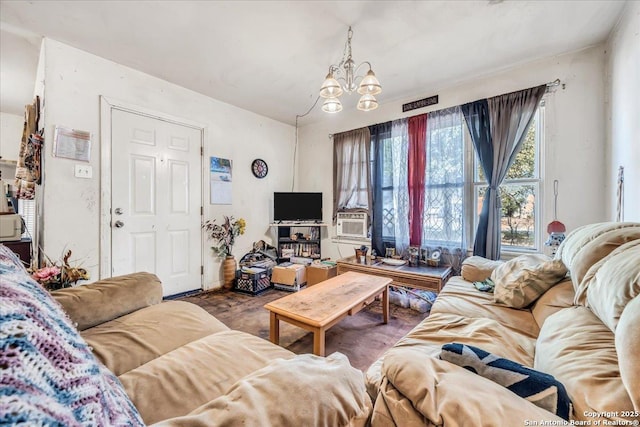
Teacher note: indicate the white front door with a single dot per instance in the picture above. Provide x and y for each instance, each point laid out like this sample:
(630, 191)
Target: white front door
(155, 200)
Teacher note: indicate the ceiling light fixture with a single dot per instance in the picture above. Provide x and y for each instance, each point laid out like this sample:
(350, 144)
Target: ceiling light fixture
(346, 72)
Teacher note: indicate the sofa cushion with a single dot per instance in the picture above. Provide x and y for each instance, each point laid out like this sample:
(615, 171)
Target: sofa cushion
(579, 350)
(301, 391)
(612, 282)
(441, 328)
(48, 374)
(586, 245)
(180, 381)
(420, 390)
(509, 332)
(628, 349)
(477, 268)
(522, 280)
(132, 340)
(463, 299)
(558, 297)
(539, 388)
(107, 299)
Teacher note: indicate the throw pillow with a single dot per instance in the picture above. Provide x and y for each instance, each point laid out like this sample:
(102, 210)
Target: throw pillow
(49, 375)
(522, 280)
(541, 389)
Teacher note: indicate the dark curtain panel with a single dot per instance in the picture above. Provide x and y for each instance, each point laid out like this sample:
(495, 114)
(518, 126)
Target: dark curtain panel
(416, 172)
(476, 114)
(352, 171)
(509, 116)
(379, 133)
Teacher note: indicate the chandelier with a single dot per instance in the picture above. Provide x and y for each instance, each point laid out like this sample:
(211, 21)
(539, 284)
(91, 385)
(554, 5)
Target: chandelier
(346, 72)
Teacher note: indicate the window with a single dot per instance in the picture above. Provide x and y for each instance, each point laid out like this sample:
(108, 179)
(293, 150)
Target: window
(352, 170)
(388, 209)
(453, 188)
(27, 209)
(519, 192)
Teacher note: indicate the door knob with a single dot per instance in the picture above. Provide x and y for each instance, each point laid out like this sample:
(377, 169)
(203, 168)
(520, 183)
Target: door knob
(118, 211)
(119, 224)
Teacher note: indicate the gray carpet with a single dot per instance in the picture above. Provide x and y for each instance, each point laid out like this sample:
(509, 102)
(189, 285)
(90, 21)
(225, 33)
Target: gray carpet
(362, 337)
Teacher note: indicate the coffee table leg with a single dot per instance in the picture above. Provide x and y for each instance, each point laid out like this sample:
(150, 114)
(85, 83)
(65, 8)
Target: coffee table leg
(274, 331)
(385, 305)
(318, 341)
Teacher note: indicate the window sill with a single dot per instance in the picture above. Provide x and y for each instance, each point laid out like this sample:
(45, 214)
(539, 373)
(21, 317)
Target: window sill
(510, 254)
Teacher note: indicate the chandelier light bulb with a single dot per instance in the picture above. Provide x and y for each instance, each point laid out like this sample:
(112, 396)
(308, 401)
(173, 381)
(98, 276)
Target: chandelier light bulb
(332, 105)
(370, 84)
(367, 102)
(330, 88)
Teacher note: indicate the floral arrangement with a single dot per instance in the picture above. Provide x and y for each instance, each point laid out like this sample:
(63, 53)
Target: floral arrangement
(224, 234)
(58, 275)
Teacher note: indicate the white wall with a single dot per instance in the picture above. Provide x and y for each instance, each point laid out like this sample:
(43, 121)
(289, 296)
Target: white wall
(10, 135)
(574, 134)
(74, 81)
(623, 112)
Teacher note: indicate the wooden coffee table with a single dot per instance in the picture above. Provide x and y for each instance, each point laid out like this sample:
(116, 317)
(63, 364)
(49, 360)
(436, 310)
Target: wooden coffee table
(321, 306)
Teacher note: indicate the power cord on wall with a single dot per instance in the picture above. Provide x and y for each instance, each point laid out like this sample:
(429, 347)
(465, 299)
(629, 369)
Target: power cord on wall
(295, 147)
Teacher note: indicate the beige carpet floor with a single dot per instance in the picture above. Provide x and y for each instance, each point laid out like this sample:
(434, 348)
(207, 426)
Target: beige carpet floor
(362, 337)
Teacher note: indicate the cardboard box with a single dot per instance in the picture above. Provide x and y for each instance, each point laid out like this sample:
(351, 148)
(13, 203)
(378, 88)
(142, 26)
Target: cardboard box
(319, 273)
(291, 275)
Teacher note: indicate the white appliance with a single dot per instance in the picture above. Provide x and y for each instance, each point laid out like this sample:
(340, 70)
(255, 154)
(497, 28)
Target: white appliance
(10, 227)
(352, 224)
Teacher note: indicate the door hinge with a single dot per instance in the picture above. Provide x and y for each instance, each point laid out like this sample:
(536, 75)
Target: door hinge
(201, 269)
(201, 210)
(201, 151)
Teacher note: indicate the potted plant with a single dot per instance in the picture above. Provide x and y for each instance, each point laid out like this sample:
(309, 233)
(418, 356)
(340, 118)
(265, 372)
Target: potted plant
(54, 275)
(224, 236)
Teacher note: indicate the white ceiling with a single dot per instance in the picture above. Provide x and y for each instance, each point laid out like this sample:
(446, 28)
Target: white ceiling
(270, 57)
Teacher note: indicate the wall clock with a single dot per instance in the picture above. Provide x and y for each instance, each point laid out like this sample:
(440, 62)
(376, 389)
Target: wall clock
(259, 168)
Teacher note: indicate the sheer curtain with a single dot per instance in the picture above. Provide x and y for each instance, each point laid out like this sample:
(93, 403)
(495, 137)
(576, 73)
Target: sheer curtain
(443, 215)
(352, 171)
(400, 192)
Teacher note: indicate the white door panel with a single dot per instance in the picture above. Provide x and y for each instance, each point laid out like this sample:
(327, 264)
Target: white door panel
(156, 199)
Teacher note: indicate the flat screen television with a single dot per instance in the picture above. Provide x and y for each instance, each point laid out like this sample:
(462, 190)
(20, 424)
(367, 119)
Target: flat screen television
(297, 207)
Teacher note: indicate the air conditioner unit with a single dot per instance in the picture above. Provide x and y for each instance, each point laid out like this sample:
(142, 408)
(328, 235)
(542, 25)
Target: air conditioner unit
(352, 224)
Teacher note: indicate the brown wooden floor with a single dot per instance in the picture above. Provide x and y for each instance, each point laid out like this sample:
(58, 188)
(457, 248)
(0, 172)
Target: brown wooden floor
(362, 337)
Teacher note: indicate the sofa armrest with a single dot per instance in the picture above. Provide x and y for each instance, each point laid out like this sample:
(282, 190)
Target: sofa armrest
(477, 268)
(305, 390)
(107, 299)
(418, 390)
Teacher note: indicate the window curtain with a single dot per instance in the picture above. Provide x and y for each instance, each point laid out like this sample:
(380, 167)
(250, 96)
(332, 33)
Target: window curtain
(443, 189)
(417, 132)
(352, 171)
(400, 148)
(379, 134)
(502, 126)
(476, 115)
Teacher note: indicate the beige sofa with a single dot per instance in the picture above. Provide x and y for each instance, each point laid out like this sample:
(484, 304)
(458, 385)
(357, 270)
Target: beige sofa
(182, 366)
(178, 365)
(584, 331)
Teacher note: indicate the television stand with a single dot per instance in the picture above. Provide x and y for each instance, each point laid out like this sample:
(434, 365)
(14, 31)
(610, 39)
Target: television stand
(298, 239)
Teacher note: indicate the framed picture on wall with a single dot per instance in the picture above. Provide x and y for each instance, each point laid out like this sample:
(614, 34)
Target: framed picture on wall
(220, 180)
